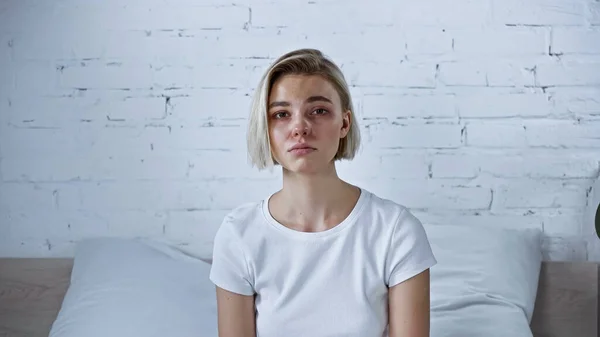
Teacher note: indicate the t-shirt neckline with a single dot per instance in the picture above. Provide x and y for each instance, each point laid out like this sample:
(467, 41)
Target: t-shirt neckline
(347, 222)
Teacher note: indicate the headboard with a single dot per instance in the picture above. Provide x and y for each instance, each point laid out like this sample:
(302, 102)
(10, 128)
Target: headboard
(32, 289)
(567, 301)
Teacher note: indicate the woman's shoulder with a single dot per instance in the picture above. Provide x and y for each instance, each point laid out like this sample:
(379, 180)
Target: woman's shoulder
(385, 205)
(243, 216)
(392, 212)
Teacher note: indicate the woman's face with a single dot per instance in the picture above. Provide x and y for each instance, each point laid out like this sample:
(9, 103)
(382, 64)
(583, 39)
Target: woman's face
(306, 123)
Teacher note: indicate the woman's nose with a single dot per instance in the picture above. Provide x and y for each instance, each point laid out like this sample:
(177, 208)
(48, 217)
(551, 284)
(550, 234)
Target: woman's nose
(300, 127)
(301, 130)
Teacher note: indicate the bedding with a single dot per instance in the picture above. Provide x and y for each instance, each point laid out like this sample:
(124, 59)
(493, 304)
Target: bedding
(129, 288)
(485, 282)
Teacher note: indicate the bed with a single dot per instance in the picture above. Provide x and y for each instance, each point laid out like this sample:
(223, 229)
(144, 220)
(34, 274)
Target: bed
(32, 289)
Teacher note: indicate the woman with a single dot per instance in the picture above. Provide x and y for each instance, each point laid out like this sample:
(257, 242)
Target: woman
(320, 257)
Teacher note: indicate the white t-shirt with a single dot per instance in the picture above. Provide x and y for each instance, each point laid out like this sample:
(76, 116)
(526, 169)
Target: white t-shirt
(323, 284)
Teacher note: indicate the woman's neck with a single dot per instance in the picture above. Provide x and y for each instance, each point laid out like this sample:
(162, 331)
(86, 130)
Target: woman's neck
(314, 202)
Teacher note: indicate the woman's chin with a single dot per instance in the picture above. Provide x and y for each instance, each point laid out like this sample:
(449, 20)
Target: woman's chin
(307, 167)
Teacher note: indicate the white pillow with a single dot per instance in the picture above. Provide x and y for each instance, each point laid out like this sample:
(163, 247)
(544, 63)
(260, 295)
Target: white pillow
(130, 288)
(485, 282)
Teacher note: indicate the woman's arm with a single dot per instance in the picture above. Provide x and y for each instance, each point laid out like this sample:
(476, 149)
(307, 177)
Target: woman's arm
(236, 316)
(409, 307)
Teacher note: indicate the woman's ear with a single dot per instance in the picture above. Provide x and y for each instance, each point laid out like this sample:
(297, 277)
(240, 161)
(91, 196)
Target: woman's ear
(346, 123)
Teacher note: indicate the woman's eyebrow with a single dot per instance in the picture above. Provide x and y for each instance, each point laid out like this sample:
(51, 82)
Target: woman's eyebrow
(311, 99)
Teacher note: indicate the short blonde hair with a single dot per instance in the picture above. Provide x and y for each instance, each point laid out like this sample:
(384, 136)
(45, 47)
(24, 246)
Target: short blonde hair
(298, 62)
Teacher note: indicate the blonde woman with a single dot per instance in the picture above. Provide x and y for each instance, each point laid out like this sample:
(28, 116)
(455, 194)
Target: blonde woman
(320, 257)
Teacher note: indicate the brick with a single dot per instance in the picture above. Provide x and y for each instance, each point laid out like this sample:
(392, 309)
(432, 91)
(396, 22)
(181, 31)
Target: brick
(563, 134)
(112, 45)
(47, 111)
(564, 249)
(224, 165)
(40, 168)
(7, 80)
(123, 141)
(144, 196)
(391, 75)
(54, 225)
(210, 76)
(28, 17)
(593, 12)
(222, 138)
(420, 106)
(544, 194)
(504, 105)
(4, 117)
(131, 223)
(593, 248)
(424, 40)
(156, 17)
(575, 40)
(38, 248)
(264, 43)
(510, 75)
(142, 167)
(507, 41)
(185, 48)
(482, 220)
(365, 165)
(6, 48)
(404, 166)
(60, 45)
(532, 165)
(455, 166)
(134, 108)
(350, 17)
(30, 141)
(580, 102)
(495, 134)
(443, 14)
(75, 225)
(201, 17)
(568, 74)
(538, 12)
(66, 111)
(431, 196)
(210, 104)
(362, 46)
(95, 166)
(148, 223)
(19, 197)
(39, 77)
(416, 136)
(5, 229)
(591, 207)
(171, 77)
(486, 74)
(197, 228)
(226, 194)
(98, 139)
(563, 224)
(187, 3)
(106, 76)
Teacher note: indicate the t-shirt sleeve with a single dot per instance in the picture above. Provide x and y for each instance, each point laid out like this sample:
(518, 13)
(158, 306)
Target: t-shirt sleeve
(410, 252)
(229, 269)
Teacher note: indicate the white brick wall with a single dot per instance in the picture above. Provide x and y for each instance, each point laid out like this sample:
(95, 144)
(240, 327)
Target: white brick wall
(483, 113)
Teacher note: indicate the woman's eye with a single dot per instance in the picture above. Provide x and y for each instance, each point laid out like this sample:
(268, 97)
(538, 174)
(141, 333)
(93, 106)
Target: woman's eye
(279, 114)
(320, 111)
